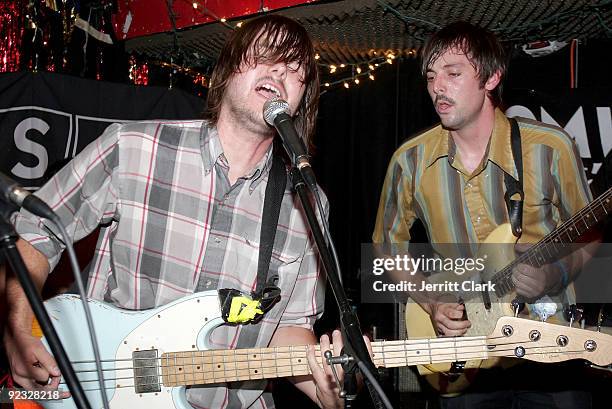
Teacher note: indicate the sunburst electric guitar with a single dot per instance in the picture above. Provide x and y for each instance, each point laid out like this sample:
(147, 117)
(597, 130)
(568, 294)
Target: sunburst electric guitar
(149, 357)
(484, 312)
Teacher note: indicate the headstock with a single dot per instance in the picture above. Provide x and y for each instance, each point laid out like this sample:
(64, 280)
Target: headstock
(545, 342)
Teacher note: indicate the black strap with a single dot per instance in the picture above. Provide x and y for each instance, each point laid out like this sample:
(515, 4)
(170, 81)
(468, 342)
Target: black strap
(513, 186)
(277, 181)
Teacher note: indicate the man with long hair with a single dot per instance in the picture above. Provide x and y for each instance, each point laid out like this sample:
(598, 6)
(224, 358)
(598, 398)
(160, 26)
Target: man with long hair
(180, 204)
(452, 178)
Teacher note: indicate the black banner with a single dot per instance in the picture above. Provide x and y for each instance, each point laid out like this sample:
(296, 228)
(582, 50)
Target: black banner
(46, 118)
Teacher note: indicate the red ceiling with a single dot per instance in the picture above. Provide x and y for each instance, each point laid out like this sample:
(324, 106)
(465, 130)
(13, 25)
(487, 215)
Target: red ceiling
(142, 17)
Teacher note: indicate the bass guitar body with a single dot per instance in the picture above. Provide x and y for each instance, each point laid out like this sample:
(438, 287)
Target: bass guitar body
(483, 313)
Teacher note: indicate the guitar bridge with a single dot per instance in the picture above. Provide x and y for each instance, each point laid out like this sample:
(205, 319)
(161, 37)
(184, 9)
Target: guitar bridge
(146, 371)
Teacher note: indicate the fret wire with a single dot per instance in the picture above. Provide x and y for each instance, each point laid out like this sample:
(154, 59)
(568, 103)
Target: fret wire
(193, 366)
(184, 367)
(260, 361)
(291, 360)
(235, 357)
(224, 367)
(175, 369)
(383, 353)
(276, 359)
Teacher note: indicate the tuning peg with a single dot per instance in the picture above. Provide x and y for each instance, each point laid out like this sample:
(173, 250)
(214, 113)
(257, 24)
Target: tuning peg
(517, 306)
(573, 313)
(600, 318)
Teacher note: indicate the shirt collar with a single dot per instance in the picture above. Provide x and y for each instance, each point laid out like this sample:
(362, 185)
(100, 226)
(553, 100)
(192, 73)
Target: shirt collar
(212, 153)
(499, 150)
(443, 146)
(500, 147)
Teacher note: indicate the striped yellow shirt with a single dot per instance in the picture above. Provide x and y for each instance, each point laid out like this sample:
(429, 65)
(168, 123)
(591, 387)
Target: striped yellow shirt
(425, 180)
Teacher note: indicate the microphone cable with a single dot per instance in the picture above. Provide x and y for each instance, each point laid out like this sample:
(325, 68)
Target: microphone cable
(88, 318)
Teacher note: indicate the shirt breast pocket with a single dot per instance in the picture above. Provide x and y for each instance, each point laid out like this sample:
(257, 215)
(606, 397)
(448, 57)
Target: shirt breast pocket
(241, 266)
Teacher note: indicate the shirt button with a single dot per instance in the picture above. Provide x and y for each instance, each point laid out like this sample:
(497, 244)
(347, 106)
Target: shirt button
(206, 171)
(208, 283)
(468, 185)
(217, 240)
(478, 219)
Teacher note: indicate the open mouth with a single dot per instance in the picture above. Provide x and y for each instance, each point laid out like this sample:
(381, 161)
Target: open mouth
(268, 91)
(443, 106)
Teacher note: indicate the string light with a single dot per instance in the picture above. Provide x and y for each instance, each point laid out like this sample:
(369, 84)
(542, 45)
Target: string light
(357, 70)
(138, 73)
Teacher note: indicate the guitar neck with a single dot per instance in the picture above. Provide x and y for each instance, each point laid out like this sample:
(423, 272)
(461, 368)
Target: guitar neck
(554, 243)
(215, 366)
(512, 337)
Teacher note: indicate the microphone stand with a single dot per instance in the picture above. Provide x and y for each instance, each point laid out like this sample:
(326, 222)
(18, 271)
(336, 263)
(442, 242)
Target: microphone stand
(355, 349)
(8, 240)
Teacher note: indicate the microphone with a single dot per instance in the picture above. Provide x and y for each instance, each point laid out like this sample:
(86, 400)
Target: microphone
(276, 113)
(13, 193)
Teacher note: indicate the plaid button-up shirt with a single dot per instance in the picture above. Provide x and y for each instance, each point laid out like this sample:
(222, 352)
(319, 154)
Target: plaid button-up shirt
(172, 224)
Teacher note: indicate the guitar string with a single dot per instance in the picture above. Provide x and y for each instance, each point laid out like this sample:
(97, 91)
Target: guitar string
(391, 347)
(238, 352)
(397, 348)
(389, 353)
(263, 375)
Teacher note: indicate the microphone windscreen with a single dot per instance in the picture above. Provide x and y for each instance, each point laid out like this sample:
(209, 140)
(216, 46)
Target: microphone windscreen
(272, 108)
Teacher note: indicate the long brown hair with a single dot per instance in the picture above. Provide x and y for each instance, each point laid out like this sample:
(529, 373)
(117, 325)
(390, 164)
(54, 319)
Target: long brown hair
(270, 38)
(481, 47)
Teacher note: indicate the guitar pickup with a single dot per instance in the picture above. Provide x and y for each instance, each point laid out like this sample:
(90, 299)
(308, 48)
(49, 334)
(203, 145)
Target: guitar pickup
(146, 371)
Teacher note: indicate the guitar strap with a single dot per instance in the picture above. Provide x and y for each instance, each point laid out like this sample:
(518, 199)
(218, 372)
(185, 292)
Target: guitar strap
(514, 188)
(236, 307)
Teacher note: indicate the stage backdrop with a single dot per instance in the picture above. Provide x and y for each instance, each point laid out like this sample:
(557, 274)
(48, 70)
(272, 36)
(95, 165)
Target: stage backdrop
(46, 117)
